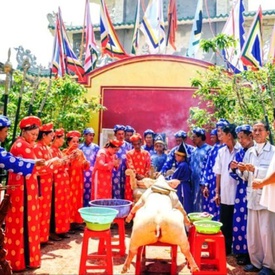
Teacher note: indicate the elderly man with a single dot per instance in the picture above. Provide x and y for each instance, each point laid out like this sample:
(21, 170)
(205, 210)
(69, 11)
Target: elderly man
(260, 221)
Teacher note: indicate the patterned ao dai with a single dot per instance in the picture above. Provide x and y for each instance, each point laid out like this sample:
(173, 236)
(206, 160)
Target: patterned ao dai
(22, 220)
(240, 211)
(90, 152)
(209, 180)
(118, 175)
(197, 164)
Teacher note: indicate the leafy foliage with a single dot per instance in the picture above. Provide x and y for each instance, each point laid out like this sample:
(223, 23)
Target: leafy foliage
(66, 103)
(240, 98)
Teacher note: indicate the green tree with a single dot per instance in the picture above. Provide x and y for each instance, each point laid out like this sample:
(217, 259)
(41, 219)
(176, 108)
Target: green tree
(66, 103)
(240, 98)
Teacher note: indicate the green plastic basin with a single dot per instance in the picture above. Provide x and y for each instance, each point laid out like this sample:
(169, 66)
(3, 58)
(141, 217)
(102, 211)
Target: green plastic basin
(199, 216)
(208, 227)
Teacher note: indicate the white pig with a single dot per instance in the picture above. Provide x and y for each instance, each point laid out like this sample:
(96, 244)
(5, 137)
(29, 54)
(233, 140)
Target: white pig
(159, 217)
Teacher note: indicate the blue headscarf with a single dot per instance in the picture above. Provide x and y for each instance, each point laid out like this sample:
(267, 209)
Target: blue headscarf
(244, 127)
(180, 134)
(148, 132)
(129, 128)
(199, 131)
(88, 131)
(4, 121)
(118, 127)
(222, 122)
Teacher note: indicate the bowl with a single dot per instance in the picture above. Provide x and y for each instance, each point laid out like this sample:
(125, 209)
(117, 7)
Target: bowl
(208, 227)
(199, 216)
(98, 218)
(122, 206)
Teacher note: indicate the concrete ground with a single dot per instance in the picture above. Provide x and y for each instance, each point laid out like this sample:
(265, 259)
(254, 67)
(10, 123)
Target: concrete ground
(63, 257)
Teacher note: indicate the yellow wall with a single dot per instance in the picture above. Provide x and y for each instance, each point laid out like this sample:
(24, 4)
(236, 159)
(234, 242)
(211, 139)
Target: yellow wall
(147, 70)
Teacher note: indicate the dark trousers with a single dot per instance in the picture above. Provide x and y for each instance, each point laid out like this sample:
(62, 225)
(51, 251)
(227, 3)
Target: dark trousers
(226, 218)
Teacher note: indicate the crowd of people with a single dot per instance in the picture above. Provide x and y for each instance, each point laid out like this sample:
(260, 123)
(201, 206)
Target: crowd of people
(52, 179)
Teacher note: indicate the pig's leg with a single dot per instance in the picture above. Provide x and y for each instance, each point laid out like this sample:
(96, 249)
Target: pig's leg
(185, 249)
(143, 233)
(132, 253)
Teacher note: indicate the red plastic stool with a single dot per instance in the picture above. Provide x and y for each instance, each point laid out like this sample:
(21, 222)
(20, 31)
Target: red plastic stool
(120, 241)
(105, 254)
(121, 236)
(214, 246)
(142, 251)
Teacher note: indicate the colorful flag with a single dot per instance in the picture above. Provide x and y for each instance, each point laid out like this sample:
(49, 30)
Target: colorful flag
(234, 27)
(172, 23)
(135, 39)
(152, 26)
(271, 53)
(64, 59)
(58, 66)
(109, 41)
(252, 52)
(57, 69)
(91, 55)
(196, 32)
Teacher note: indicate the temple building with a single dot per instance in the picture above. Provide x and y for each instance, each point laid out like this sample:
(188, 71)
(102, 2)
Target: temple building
(154, 90)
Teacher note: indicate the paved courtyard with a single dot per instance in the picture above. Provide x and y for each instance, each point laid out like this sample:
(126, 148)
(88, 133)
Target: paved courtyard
(63, 257)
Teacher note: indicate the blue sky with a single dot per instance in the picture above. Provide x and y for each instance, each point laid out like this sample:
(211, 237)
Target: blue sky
(25, 23)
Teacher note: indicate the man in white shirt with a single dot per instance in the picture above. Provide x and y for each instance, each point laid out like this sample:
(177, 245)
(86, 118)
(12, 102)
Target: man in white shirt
(260, 221)
(225, 185)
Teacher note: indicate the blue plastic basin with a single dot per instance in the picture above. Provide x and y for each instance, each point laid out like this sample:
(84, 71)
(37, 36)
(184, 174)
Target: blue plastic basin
(122, 206)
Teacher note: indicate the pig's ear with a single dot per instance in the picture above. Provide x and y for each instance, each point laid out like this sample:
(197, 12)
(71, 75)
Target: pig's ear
(173, 183)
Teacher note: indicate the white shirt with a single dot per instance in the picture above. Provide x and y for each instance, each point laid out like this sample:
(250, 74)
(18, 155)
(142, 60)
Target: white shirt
(228, 184)
(268, 194)
(261, 162)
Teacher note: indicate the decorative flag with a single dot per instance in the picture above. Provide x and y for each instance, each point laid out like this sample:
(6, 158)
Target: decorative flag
(196, 32)
(271, 53)
(57, 68)
(252, 52)
(152, 26)
(109, 41)
(135, 39)
(234, 27)
(64, 59)
(172, 23)
(91, 55)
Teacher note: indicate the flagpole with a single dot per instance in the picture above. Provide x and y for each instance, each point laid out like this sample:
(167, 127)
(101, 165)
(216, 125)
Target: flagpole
(7, 70)
(169, 29)
(45, 96)
(26, 66)
(34, 92)
(82, 38)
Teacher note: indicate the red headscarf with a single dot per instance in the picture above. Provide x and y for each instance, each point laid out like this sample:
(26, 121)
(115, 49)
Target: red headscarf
(135, 137)
(29, 121)
(73, 134)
